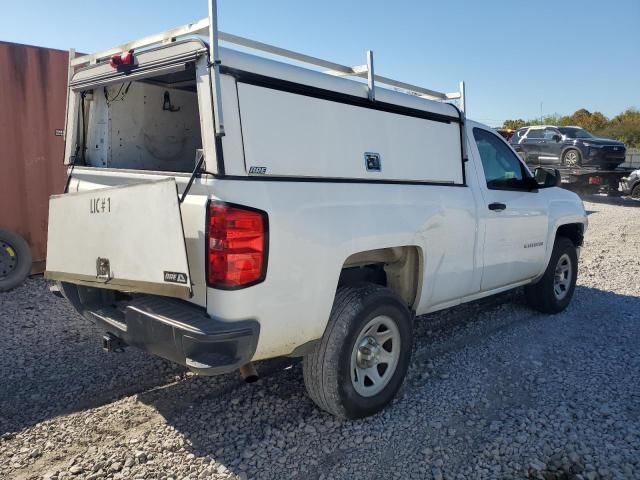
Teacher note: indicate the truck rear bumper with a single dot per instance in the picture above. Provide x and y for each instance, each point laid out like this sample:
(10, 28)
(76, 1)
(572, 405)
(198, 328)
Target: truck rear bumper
(177, 331)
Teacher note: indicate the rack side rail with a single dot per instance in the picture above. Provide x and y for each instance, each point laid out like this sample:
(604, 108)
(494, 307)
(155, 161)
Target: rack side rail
(208, 27)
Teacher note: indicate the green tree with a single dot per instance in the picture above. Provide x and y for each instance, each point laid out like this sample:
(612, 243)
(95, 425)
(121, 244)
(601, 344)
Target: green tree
(514, 124)
(584, 118)
(550, 119)
(624, 127)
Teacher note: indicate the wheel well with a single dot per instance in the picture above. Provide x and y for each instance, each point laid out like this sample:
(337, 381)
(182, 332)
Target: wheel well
(397, 268)
(572, 231)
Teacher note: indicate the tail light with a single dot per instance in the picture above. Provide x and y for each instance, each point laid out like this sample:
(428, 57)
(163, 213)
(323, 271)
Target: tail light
(237, 241)
(594, 180)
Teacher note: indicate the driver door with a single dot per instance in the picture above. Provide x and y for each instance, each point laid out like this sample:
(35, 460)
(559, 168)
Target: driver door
(514, 216)
(550, 147)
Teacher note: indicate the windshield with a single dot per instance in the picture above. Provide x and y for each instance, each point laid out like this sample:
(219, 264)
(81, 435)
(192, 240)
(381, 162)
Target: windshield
(575, 132)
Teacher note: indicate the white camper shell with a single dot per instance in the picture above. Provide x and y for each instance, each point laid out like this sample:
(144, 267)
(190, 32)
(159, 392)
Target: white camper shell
(150, 119)
(224, 208)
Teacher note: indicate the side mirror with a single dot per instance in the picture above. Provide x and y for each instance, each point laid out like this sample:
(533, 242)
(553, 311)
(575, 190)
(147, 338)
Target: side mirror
(557, 137)
(531, 184)
(547, 177)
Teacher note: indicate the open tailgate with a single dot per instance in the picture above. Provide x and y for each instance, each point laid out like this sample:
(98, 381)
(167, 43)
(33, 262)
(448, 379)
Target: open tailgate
(122, 238)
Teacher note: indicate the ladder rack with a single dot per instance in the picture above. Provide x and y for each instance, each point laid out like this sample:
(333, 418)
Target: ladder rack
(209, 27)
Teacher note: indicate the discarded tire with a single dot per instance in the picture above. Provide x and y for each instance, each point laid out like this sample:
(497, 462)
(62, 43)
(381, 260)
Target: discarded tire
(15, 260)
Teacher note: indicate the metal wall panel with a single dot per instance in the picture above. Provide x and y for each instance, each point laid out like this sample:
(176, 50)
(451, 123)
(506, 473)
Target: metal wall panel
(32, 104)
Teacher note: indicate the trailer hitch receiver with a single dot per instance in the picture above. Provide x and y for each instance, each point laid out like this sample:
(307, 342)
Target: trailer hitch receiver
(111, 343)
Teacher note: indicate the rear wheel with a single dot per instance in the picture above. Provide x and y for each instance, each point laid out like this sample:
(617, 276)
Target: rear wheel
(635, 193)
(553, 292)
(15, 260)
(363, 357)
(572, 158)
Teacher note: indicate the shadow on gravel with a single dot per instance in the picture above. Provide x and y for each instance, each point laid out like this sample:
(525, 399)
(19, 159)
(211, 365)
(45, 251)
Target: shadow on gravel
(262, 428)
(52, 362)
(618, 201)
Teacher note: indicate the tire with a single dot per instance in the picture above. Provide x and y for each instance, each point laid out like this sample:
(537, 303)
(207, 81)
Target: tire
(552, 294)
(572, 158)
(337, 369)
(635, 193)
(15, 260)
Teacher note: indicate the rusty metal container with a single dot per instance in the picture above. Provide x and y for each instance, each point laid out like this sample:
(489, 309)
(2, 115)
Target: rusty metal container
(33, 83)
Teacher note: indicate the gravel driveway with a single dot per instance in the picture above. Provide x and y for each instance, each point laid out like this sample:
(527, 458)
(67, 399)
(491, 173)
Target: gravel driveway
(494, 391)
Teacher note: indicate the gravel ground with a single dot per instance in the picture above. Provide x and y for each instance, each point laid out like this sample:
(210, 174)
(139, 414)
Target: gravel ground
(494, 391)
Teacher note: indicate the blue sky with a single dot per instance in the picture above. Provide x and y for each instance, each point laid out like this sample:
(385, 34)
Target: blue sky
(512, 55)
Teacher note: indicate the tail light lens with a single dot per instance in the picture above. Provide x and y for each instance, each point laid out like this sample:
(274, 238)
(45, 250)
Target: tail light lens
(594, 180)
(237, 240)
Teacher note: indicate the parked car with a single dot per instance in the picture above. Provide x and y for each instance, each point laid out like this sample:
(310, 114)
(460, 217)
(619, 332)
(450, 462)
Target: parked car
(318, 223)
(630, 185)
(567, 146)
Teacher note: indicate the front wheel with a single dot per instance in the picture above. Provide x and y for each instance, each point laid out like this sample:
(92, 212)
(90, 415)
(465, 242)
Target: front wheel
(363, 356)
(572, 158)
(553, 292)
(635, 193)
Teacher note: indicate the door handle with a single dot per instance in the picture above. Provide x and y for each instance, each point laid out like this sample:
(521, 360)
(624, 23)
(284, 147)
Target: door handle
(497, 206)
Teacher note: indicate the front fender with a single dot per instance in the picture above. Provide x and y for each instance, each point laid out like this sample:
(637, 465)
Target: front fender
(565, 208)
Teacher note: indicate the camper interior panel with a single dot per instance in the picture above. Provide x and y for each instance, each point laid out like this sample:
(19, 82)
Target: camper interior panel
(150, 124)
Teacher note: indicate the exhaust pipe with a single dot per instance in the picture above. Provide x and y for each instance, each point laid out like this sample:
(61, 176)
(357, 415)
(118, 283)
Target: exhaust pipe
(248, 373)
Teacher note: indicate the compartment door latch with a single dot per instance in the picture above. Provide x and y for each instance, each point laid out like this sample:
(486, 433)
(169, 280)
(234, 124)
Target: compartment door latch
(372, 162)
(103, 269)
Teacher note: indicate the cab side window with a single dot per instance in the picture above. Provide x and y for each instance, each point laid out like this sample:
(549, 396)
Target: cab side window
(502, 168)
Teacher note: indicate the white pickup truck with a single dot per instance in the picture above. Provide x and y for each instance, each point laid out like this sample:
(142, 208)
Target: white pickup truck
(225, 208)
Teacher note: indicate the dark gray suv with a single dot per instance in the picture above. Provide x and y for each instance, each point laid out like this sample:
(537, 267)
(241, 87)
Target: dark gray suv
(567, 146)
